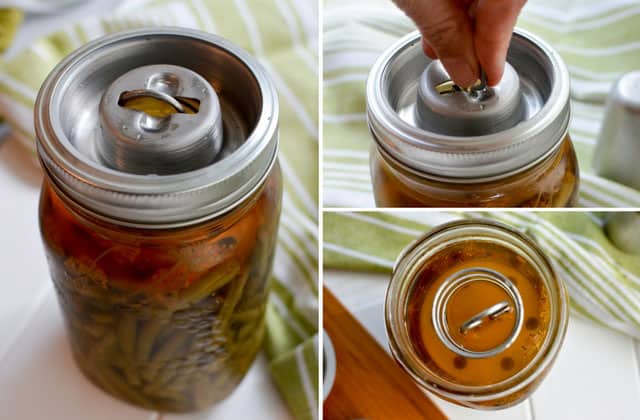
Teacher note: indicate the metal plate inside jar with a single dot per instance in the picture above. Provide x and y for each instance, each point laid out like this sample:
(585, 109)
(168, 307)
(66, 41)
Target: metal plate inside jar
(475, 313)
(237, 90)
(478, 313)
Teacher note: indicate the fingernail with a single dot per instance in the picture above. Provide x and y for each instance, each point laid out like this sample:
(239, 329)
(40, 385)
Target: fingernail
(460, 71)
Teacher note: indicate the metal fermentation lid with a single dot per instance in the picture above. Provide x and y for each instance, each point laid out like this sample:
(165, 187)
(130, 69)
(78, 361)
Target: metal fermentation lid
(425, 122)
(206, 144)
(475, 305)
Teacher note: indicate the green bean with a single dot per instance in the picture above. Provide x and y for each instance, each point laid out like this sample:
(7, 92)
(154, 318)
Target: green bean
(146, 337)
(249, 314)
(213, 281)
(126, 333)
(246, 331)
(128, 368)
(169, 348)
(100, 349)
(161, 383)
(123, 389)
(232, 299)
(101, 317)
(165, 391)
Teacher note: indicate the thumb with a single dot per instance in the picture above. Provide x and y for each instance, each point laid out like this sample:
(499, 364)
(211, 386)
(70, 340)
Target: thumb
(447, 29)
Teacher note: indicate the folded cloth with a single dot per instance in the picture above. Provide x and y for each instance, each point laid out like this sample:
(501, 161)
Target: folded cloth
(283, 36)
(10, 19)
(603, 282)
(597, 40)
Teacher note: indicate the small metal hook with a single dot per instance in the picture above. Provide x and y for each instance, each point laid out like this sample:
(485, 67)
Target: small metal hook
(153, 93)
(491, 312)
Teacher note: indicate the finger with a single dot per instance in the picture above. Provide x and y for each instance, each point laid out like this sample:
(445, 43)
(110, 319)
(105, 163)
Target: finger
(428, 50)
(495, 20)
(446, 27)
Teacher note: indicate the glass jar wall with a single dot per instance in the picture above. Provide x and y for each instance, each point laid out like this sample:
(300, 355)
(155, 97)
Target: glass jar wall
(166, 319)
(476, 314)
(550, 183)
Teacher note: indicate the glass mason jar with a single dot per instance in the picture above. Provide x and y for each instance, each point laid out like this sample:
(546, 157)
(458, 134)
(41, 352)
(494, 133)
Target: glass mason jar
(159, 211)
(476, 314)
(438, 145)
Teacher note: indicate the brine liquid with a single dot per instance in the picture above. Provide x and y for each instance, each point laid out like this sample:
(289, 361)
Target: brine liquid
(553, 183)
(170, 320)
(470, 300)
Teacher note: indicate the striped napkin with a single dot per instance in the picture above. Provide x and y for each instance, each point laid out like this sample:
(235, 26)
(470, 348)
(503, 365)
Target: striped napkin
(283, 35)
(597, 39)
(10, 19)
(603, 282)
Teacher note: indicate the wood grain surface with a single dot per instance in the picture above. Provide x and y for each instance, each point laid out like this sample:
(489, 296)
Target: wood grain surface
(369, 384)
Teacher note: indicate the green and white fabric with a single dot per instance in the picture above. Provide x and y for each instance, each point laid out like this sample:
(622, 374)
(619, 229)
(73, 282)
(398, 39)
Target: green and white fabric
(603, 282)
(283, 35)
(10, 19)
(597, 39)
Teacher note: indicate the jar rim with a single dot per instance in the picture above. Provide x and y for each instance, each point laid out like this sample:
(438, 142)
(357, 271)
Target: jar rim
(403, 278)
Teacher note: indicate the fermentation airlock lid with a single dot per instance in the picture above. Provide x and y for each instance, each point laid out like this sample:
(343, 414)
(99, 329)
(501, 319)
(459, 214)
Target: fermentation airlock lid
(423, 120)
(491, 327)
(159, 127)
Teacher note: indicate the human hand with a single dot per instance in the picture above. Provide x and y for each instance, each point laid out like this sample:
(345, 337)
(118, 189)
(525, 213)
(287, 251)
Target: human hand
(466, 34)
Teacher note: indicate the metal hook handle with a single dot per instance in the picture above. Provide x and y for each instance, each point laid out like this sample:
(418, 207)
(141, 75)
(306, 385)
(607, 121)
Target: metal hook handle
(165, 97)
(479, 90)
(491, 313)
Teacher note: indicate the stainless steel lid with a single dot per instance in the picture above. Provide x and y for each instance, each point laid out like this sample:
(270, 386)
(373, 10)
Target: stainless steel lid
(204, 140)
(425, 122)
(504, 299)
(445, 108)
(623, 230)
(456, 285)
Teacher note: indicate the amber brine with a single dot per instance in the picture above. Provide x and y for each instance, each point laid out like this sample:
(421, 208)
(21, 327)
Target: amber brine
(476, 314)
(159, 212)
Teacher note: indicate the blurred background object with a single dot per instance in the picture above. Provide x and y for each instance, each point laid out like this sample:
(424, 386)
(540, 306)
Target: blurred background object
(618, 150)
(10, 19)
(41, 6)
(623, 230)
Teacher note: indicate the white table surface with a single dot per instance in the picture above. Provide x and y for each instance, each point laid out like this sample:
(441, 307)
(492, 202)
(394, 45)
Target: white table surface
(38, 379)
(596, 375)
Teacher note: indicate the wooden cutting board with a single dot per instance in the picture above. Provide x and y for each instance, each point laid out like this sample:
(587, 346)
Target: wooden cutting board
(369, 384)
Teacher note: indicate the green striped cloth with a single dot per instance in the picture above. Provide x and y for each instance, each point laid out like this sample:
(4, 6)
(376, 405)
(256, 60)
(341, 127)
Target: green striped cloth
(597, 39)
(10, 20)
(283, 35)
(603, 282)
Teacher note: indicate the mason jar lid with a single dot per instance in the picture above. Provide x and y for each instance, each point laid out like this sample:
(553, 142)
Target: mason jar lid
(157, 128)
(474, 311)
(420, 118)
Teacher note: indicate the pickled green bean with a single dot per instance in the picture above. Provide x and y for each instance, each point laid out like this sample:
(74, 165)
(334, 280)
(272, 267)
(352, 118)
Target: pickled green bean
(146, 338)
(126, 333)
(170, 350)
(209, 284)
